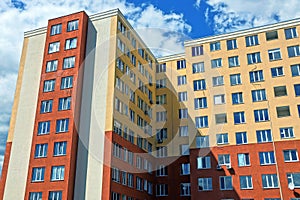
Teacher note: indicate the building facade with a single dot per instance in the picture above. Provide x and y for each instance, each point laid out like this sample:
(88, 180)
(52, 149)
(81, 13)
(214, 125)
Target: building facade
(97, 116)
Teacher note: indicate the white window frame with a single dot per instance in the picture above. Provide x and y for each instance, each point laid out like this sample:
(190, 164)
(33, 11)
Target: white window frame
(57, 173)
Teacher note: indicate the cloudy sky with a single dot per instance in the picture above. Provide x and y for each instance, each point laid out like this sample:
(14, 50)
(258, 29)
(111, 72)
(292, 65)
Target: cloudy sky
(176, 20)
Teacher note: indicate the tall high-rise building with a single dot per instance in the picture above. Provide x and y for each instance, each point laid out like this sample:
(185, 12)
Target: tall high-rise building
(97, 116)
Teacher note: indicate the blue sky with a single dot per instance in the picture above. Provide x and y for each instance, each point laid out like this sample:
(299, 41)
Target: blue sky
(173, 20)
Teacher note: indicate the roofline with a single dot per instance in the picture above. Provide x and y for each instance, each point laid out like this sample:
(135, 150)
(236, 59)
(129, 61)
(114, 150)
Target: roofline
(245, 32)
(171, 57)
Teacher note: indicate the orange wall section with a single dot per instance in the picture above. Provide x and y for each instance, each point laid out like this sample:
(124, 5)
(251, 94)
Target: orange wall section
(69, 160)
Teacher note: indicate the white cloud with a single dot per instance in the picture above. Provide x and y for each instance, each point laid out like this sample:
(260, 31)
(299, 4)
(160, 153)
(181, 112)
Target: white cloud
(197, 4)
(14, 21)
(231, 15)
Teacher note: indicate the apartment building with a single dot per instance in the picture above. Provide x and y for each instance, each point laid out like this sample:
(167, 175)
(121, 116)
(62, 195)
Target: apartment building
(97, 116)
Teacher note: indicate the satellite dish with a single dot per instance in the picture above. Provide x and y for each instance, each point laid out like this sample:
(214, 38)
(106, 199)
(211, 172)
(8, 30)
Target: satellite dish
(291, 186)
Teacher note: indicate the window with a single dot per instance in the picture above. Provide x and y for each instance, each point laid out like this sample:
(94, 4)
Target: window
(161, 116)
(181, 80)
(252, 40)
(183, 131)
(161, 134)
(185, 189)
(201, 122)
(161, 68)
(200, 103)
(295, 70)
(233, 61)
(283, 111)
(181, 64)
(224, 159)
(133, 59)
(237, 98)
(235, 79)
(64, 103)
(115, 196)
(182, 96)
(66, 82)
(49, 85)
(139, 183)
(71, 43)
(124, 178)
(226, 183)
(293, 51)
(53, 47)
(120, 64)
(41, 150)
(231, 44)
(246, 182)
(216, 63)
(267, 158)
(270, 180)
(243, 159)
(277, 71)
(46, 106)
(256, 76)
(239, 117)
(55, 195)
(272, 35)
(55, 29)
(259, 95)
(241, 138)
(261, 115)
(294, 178)
(214, 46)
(62, 125)
(69, 62)
(198, 67)
(197, 51)
(274, 54)
(264, 136)
(121, 45)
(161, 190)
(222, 138)
(290, 33)
(162, 170)
(161, 99)
(205, 184)
(203, 162)
(51, 65)
(219, 99)
(253, 58)
(183, 113)
(298, 110)
(221, 118)
(161, 83)
(201, 85)
(35, 196)
(72, 25)
(117, 150)
(218, 80)
(297, 89)
(57, 173)
(202, 141)
(60, 148)
(130, 180)
(280, 91)
(131, 115)
(161, 152)
(43, 127)
(38, 174)
(286, 132)
(290, 155)
(185, 169)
